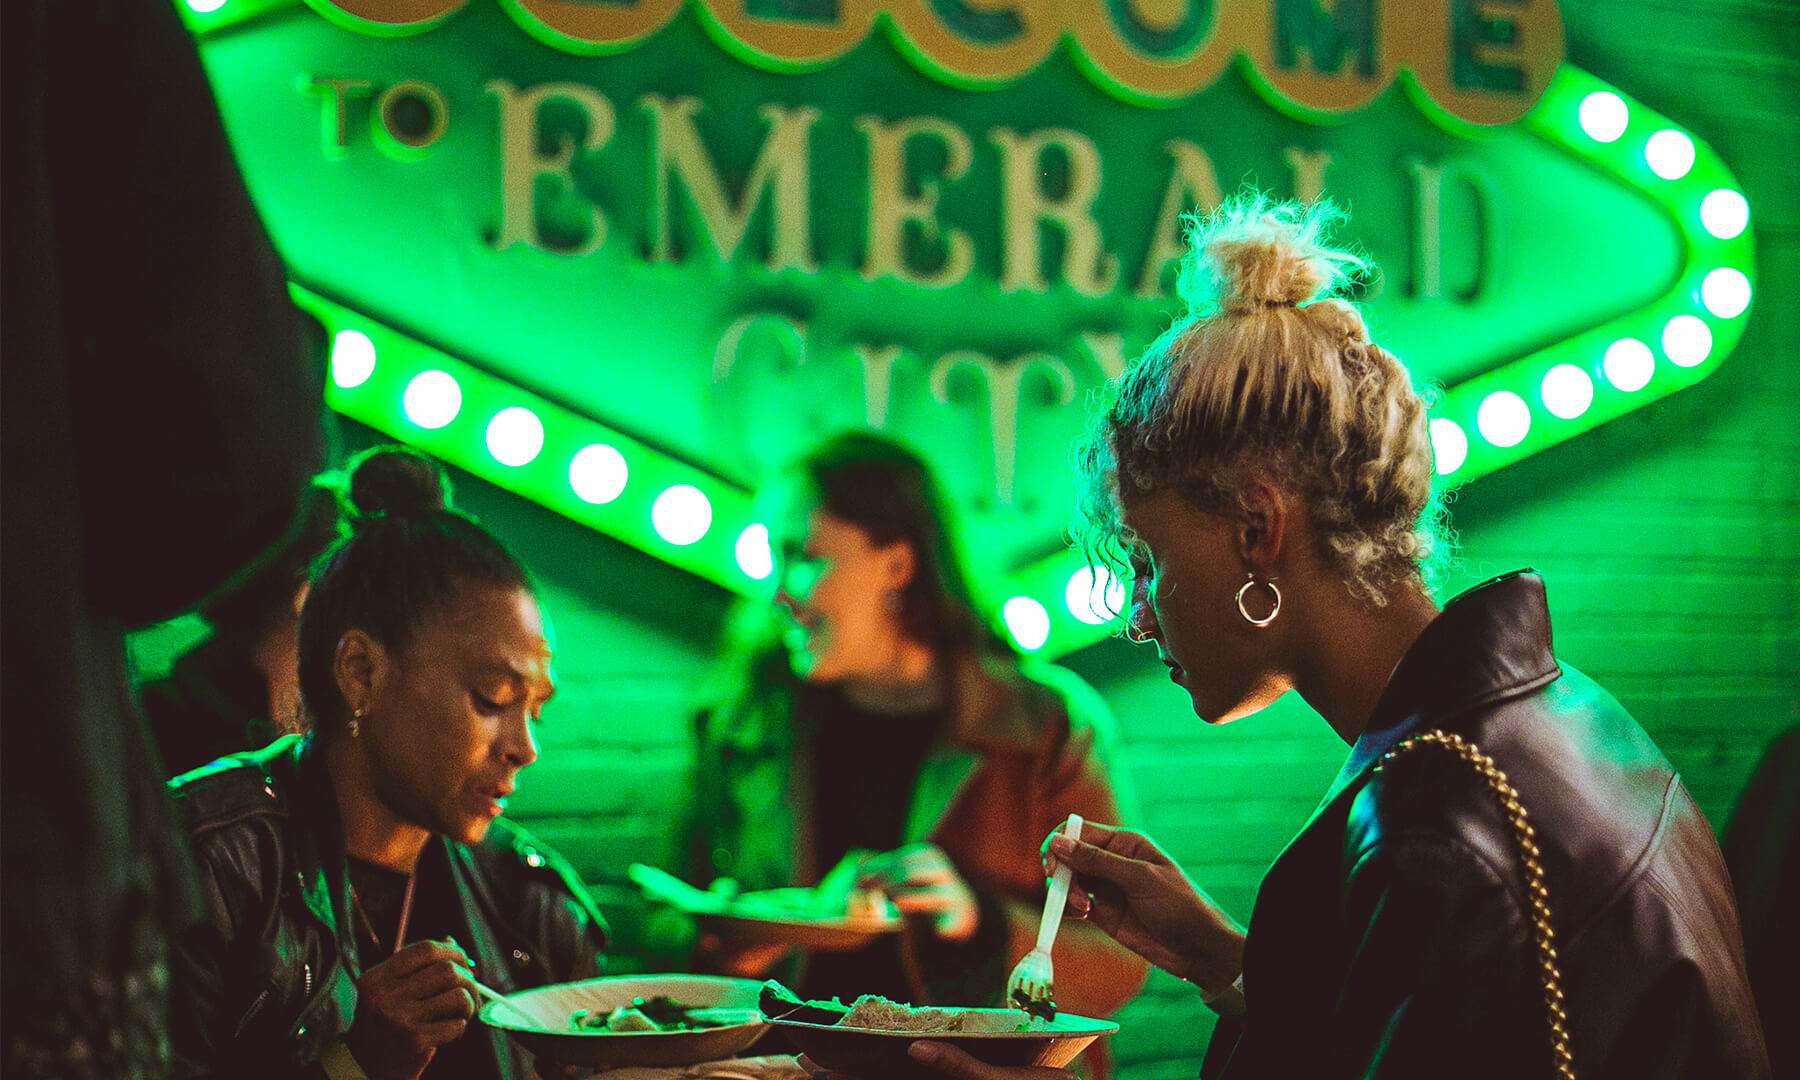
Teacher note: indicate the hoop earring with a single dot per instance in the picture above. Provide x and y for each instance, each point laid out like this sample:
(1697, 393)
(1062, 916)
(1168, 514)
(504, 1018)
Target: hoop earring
(1134, 635)
(1245, 612)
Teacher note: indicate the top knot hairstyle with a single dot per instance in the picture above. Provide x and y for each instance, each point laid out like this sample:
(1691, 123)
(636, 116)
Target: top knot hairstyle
(406, 551)
(1272, 376)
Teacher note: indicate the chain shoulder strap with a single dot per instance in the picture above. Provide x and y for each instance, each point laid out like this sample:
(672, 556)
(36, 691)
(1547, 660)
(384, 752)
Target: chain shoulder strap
(1536, 892)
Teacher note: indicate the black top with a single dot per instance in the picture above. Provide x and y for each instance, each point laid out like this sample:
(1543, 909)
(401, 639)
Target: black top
(378, 896)
(865, 768)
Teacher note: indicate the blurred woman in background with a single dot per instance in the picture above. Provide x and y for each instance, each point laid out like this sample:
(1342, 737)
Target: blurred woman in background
(887, 725)
(357, 876)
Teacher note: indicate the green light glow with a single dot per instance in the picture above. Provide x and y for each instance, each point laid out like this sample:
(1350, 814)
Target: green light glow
(1604, 116)
(1724, 213)
(206, 7)
(1686, 340)
(515, 436)
(597, 473)
(1449, 445)
(1629, 364)
(433, 399)
(754, 556)
(352, 358)
(681, 514)
(1725, 292)
(1567, 391)
(1094, 595)
(1027, 622)
(1503, 419)
(1669, 153)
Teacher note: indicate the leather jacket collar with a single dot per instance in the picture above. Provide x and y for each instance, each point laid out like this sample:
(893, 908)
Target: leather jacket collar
(1490, 643)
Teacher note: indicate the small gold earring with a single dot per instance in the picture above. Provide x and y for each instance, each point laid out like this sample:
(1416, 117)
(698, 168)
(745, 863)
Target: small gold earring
(355, 727)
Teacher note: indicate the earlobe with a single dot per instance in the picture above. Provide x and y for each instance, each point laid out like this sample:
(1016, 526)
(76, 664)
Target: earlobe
(356, 666)
(1265, 525)
(901, 562)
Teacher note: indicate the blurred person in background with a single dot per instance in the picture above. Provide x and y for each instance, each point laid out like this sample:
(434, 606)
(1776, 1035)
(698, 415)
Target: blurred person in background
(359, 876)
(239, 688)
(880, 721)
(159, 418)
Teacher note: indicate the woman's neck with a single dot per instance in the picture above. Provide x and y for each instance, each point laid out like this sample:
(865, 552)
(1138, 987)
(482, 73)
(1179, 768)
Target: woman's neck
(1357, 647)
(912, 681)
(372, 831)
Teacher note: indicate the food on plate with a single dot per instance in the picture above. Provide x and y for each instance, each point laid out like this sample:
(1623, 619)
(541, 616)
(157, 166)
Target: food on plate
(877, 1013)
(660, 1013)
(1042, 1008)
(777, 1002)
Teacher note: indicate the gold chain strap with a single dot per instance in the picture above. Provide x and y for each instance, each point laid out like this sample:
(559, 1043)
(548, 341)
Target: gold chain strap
(1534, 880)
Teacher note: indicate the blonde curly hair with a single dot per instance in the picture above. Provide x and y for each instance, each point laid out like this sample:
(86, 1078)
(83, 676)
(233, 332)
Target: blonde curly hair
(1270, 375)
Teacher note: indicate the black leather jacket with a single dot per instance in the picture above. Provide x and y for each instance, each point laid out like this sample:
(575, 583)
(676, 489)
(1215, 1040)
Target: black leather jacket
(1393, 937)
(268, 980)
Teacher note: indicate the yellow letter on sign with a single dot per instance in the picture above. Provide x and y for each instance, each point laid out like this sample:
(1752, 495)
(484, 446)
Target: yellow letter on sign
(521, 164)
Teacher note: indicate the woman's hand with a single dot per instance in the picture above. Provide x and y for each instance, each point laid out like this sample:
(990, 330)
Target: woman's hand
(948, 1060)
(1129, 887)
(951, 1061)
(409, 1005)
(921, 880)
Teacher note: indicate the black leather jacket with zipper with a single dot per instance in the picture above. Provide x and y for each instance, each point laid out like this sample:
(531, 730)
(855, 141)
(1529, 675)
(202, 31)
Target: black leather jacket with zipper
(267, 981)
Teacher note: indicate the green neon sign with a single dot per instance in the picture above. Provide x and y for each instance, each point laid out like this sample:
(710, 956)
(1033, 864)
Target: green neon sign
(581, 237)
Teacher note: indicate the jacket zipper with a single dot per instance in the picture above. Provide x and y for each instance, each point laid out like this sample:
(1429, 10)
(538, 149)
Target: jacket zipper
(250, 1013)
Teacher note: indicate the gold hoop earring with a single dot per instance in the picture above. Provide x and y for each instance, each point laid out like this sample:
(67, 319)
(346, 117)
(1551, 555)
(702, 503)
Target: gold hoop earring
(1245, 612)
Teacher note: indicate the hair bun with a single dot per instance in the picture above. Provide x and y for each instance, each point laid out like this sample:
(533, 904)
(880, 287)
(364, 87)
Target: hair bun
(1256, 255)
(396, 482)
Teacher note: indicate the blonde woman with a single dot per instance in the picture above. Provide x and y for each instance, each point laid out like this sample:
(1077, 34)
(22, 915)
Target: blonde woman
(1507, 879)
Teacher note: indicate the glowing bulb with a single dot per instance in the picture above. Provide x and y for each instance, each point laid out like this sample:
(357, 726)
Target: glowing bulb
(1669, 153)
(754, 557)
(1725, 292)
(1628, 364)
(206, 7)
(1027, 621)
(1567, 391)
(1094, 595)
(1449, 445)
(432, 398)
(598, 473)
(515, 435)
(1503, 418)
(1604, 115)
(352, 358)
(1686, 340)
(1724, 213)
(681, 514)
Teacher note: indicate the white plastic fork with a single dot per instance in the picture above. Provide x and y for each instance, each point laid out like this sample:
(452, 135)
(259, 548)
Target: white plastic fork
(1033, 976)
